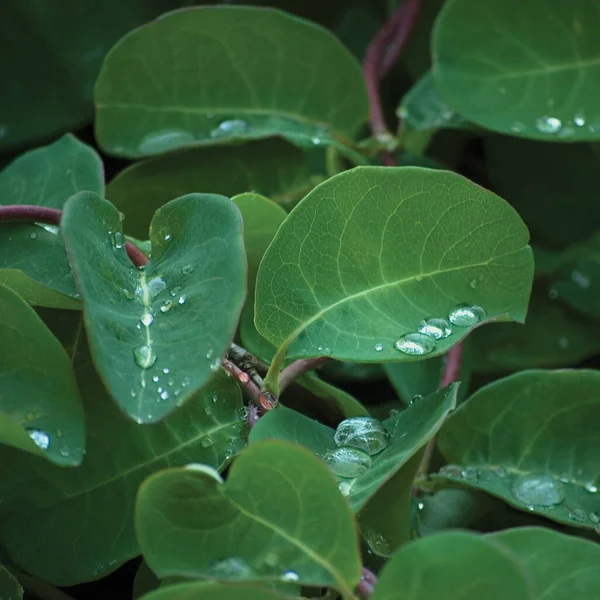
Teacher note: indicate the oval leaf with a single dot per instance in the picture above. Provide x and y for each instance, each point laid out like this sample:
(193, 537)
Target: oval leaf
(532, 440)
(175, 317)
(211, 591)
(187, 521)
(40, 408)
(529, 69)
(10, 589)
(264, 74)
(370, 253)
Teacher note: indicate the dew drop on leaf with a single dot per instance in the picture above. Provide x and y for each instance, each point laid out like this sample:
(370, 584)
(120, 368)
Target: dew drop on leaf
(232, 568)
(578, 516)
(415, 344)
(435, 328)
(230, 127)
(155, 286)
(594, 517)
(128, 295)
(187, 270)
(118, 240)
(163, 140)
(147, 319)
(579, 119)
(470, 474)
(538, 489)
(144, 356)
(365, 433)
(166, 306)
(182, 299)
(39, 437)
(345, 488)
(466, 316)
(590, 487)
(348, 462)
(547, 124)
(378, 347)
(164, 395)
(33, 236)
(206, 442)
(290, 576)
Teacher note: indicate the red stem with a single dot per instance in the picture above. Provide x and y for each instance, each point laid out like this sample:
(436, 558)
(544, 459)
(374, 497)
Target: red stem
(451, 371)
(257, 397)
(297, 368)
(367, 583)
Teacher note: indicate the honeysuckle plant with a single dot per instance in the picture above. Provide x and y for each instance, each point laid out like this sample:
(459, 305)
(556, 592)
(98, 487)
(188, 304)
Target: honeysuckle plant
(274, 328)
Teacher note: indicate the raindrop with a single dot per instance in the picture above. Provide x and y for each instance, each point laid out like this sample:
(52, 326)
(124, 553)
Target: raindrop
(156, 379)
(594, 517)
(590, 487)
(207, 411)
(415, 344)
(553, 294)
(466, 316)
(182, 299)
(378, 347)
(127, 294)
(209, 352)
(147, 319)
(118, 240)
(364, 433)
(579, 119)
(500, 472)
(187, 269)
(538, 489)
(163, 140)
(517, 127)
(155, 286)
(132, 393)
(581, 280)
(470, 474)
(166, 370)
(167, 237)
(416, 398)
(33, 236)
(435, 328)
(578, 515)
(164, 395)
(290, 576)
(64, 452)
(40, 438)
(232, 568)
(316, 141)
(345, 488)
(233, 127)
(271, 560)
(207, 442)
(548, 124)
(454, 471)
(166, 306)
(144, 356)
(175, 291)
(348, 462)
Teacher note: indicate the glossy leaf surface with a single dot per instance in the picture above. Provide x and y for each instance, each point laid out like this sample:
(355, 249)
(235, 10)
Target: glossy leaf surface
(529, 69)
(211, 591)
(531, 440)
(157, 334)
(371, 252)
(40, 407)
(174, 83)
(187, 521)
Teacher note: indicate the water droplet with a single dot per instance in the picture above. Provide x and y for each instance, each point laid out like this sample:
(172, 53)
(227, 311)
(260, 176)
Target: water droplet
(155, 286)
(419, 278)
(552, 294)
(207, 442)
(378, 347)
(164, 140)
(132, 393)
(416, 398)
(118, 240)
(590, 487)
(348, 462)
(156, 379)
(454, 471)
(164, 395)
(517, 127)
(548, 124)
(166, 306)
(144, 357)
(59, 433)
(40, 438)
(186, 381)
(435, 328)
(187, 269)
(167, 237)
(271, 560)
(182, 299)
(232, 568)
(364, 433)
(209, 352)
(581, 280)
(579, 119)
(466, 316)
(147, 319)
(33, 236)
(470, 474)
(290, 576)
(207, 411)
(345, 488)
(538, 489)
(243, 377)
(578, 515)
(500, 472)
(127, 294)
(175, 291)
(230, 127)
(415, 344)
(65, 452)
(594, 517)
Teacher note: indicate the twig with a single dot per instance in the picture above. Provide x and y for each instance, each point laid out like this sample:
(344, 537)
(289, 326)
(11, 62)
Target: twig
(298, 367)
(367, 583)
(262, 400)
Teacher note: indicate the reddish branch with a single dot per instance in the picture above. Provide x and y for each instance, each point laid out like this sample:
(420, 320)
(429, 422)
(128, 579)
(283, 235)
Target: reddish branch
(297, 368)
(366, 586)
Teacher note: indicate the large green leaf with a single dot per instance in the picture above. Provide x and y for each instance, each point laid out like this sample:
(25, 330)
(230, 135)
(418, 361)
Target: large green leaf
(51, 54)
(546, 181)
(370, 253)
(210, 591)
(158, 333)
(272, 167)
(454, 566)
(33, 259)
(266, 523)
(10, 589)
(530, 69)
(553, 336)
(562, 566)
(83, 517)
(40, 408)
(531, 439)
(213, 75)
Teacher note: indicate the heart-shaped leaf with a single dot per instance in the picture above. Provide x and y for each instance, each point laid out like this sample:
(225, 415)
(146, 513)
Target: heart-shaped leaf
(514, 68)
(211, 591)
(40, 408)
(466, 567)
(266, 523)
(83, 517)
(272, 167)
(264, 75)
(532, 440)
(561, 566)
(371, 253)
(158, 333)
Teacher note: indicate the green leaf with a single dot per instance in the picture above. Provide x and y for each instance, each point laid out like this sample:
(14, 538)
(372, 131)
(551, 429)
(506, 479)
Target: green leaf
(561, 566)
(271, 167)
(546, 181)
(211, 591)
(264, 75)
(346, 276)
(553, 336)
(531, 439)
(33, 259)
(10, 589)
(423, 109)
(40, 408)
(158, 333)
(529, 70)
(83, 517)
(266, 523)
(466, 567)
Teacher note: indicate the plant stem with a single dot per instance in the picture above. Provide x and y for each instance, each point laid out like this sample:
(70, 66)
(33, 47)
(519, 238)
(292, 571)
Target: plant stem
(262, 400)
(297, 368)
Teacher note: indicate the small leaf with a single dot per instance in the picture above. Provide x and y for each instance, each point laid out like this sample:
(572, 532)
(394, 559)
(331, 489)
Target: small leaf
(40, 408)
(531, 439)
(10, 589)
(466, 566)
(561, 566)
(529, 70)
(158, 333)
(271, 167)
(83, 517)
(211, 591)
(264, 524)
(264, 75)
(346, 276)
